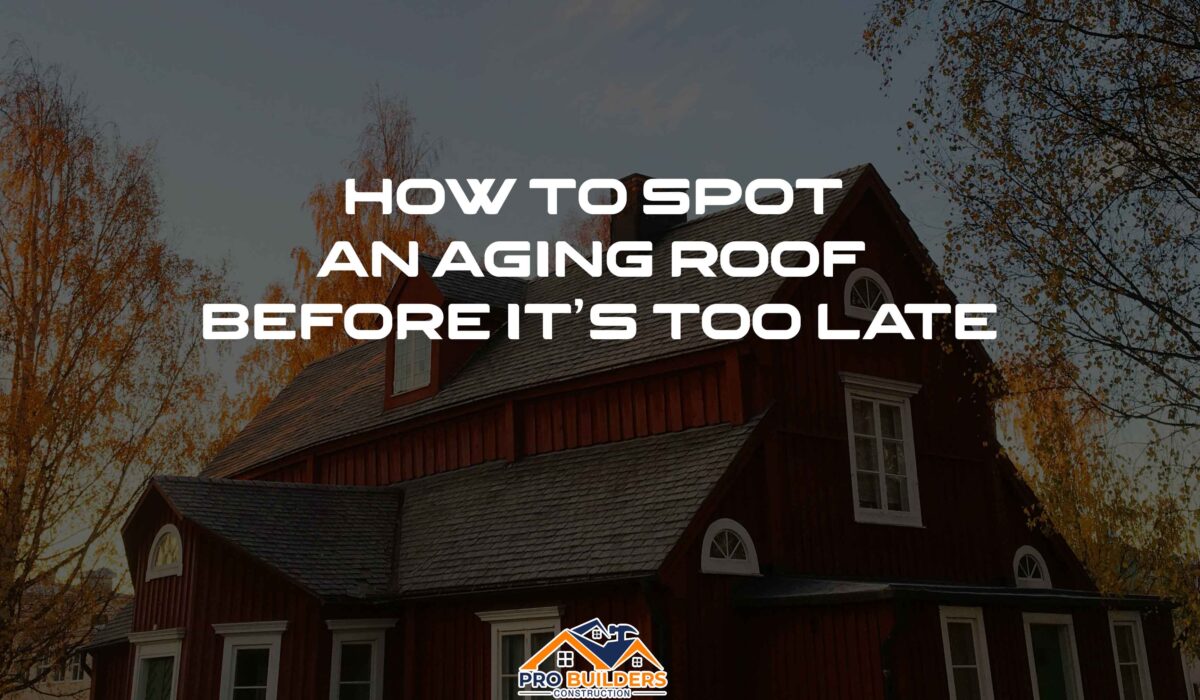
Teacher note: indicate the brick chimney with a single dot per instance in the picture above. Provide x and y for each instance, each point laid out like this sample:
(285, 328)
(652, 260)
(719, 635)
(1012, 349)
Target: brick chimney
(631, 224)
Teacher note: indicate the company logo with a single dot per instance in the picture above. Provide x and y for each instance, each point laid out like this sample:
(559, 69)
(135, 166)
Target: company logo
(593, 660)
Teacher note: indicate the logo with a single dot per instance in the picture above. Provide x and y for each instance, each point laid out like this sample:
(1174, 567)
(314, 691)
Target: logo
(593, 660)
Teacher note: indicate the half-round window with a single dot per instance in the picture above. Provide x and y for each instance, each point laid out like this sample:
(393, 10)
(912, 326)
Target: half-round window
(1029, 569)
(865, 293)
(166, 554)
(728, 549)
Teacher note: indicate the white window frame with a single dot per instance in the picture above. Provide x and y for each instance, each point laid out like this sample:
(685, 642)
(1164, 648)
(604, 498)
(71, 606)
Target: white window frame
(1052, 619)
(156, 644)
(890, 391)
(405, 377)
(1021, 582)
(359, 631)
(712, 565)
(176, 569)
(1130, 617)
(251, 635)
(857, 311)
(527, 620)
(974, 616)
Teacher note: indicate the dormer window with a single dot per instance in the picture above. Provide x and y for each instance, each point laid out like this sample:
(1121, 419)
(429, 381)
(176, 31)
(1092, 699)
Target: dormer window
(166, 554)
(865, 293)
(411, 363)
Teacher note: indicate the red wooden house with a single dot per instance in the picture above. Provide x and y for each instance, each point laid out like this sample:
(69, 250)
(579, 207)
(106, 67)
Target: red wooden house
(802, 519)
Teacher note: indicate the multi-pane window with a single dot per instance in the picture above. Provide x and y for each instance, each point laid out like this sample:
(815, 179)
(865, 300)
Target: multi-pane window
(354, 672)
(515, 648)
(866, 292)
(156, 679)
(166, 554)
(411, 363)
(74, 670)
(1029, 569)
(250, 663)
(516, 636)
(965, 645)
(884, 479)
(728, 549)
(727, 545)
(1130, 653)
(250, 673)
(357, 662)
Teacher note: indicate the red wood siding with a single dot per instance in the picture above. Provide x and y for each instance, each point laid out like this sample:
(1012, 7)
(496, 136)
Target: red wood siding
(110, 672)
(829, 653)
(684, 395)
(972, 519)
(448, 648)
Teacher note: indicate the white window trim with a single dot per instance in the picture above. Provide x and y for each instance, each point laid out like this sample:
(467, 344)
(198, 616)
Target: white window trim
(896, 391)
(709, 565)
(855, 276)
(1044, 582)
(1052, 619)
(255, 635)
(974, 615)
(519, 620)
(1139, 646)
(156, 644)
(359, 631)
(176, 569)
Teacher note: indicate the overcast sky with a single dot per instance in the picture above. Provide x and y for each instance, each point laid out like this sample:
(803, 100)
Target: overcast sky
(250, 108)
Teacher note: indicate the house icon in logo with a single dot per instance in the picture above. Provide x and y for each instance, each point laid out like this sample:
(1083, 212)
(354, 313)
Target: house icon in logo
(594, 654)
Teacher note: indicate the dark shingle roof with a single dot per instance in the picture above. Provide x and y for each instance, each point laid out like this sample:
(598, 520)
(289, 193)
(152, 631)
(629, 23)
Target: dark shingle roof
(594, 512)
(344, 394)
(116, 630)
(467, 288)
(334, 541)
(589, 513)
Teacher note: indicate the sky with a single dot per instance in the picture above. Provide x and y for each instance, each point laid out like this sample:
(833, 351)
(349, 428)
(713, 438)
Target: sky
(249, 109)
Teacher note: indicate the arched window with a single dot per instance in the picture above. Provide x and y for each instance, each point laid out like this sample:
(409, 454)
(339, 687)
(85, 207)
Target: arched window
(166, 554)
(865, 293)
(728, 549)
(1029, 569)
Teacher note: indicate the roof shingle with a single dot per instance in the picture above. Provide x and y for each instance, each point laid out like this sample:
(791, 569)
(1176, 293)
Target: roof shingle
(334, 541)
(592, 512)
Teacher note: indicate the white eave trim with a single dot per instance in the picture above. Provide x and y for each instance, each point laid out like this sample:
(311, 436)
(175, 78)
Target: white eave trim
(376, 623)
(520, 614)
(153, 636)
(269, 627)
(866, 381)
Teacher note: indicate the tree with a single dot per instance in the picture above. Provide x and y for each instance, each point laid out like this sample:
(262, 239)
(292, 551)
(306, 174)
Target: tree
(390, 146)
(103, 378)
(1065, 136)
(1121, 518)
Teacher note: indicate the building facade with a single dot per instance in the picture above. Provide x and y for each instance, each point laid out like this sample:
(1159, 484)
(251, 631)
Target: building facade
(811, 519)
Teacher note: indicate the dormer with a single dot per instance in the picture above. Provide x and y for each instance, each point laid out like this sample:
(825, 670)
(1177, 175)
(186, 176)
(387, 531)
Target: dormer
(417, 366)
